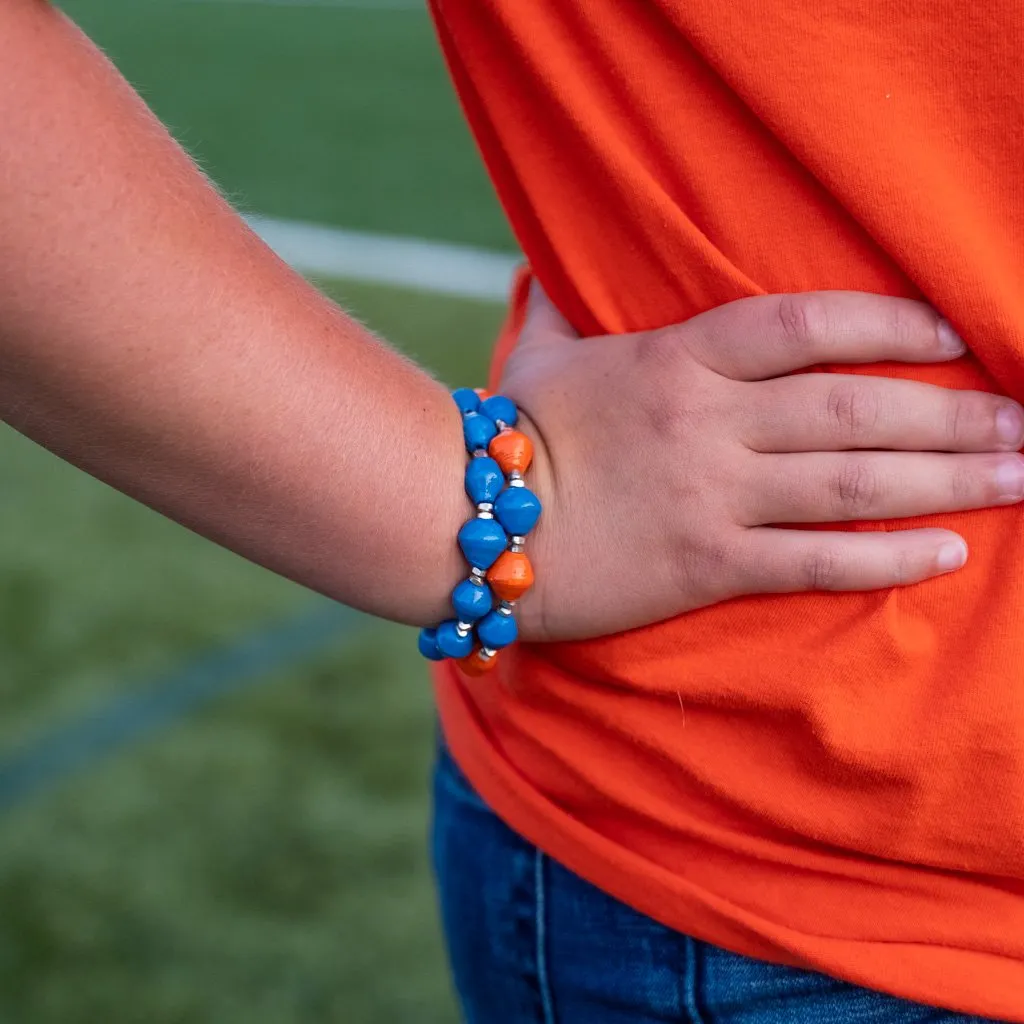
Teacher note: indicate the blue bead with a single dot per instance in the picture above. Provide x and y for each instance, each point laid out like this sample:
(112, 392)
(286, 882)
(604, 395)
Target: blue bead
(482, 540)
(428, 645)
(498, 407)
(472, 601)
(450, 643)
(478, 431)
(497, 631)
(518, 510)
(484, 479)
(466, 399)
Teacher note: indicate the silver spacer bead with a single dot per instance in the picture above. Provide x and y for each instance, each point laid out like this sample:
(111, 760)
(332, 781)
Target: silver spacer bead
(485, 506)
(518, 538)
(485, 515)
(486, 653)
(463, 628)
(506, 607)
(477, 575)
(517, 481)
(501, 424)
(515, 475)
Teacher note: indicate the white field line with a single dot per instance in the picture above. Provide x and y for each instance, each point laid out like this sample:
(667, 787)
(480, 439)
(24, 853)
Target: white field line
(350, 5)
(457, 270)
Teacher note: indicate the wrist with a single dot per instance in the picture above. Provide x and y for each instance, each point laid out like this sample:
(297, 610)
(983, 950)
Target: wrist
(493, 540)
(445, 508)
(530, 611)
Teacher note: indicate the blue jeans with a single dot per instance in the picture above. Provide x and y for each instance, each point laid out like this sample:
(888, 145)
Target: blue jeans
(531, 943)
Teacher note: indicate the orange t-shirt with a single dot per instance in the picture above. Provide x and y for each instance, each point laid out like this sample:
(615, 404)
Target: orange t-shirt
(833, 781)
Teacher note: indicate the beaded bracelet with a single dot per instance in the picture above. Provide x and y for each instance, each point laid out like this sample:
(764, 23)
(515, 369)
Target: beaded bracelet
(492, 541)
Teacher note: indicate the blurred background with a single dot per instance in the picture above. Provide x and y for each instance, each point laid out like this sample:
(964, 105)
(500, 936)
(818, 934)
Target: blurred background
(213, 784)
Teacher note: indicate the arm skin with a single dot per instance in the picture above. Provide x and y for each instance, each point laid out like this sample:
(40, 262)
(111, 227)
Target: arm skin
(147, 336)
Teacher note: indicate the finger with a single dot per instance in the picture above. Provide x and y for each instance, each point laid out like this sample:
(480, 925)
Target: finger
(769, 335)
(830, 488)
(790, 561)
(543, 320)
(833, 412)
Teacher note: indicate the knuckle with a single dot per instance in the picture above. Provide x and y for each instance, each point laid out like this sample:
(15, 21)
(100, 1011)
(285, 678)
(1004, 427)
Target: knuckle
(855, 488)
(660, 352)
(719, 555)
(965, 414)
(669, 395)
(956, 422)
(803, 320)
(905, 329)
(702, 569)
(853, 410)
(685, 414)
(671, 420)
(822, 569)
(970, 480)
(905, 567)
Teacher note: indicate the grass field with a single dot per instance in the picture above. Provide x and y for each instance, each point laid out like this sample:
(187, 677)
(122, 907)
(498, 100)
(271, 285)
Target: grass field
(262, 860)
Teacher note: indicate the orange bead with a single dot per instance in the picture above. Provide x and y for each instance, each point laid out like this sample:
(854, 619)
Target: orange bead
(511, 576)
(474, 665)
(512, 450)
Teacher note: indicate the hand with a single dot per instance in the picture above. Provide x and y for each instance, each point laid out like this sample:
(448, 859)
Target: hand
(664, 458)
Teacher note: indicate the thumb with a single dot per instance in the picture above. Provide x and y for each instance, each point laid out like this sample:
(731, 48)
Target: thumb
(543, 321)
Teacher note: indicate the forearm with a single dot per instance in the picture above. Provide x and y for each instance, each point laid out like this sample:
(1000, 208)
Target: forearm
(147, 336)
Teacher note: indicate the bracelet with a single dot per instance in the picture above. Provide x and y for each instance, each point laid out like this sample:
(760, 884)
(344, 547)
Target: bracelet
(492, 541)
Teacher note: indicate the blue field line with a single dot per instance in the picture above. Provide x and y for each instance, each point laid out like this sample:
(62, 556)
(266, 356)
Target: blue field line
(129, 717)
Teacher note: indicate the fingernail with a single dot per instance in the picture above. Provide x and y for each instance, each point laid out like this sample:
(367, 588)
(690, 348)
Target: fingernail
(1010, 425)
(1010, 479)
(951, 556)
(949, 340)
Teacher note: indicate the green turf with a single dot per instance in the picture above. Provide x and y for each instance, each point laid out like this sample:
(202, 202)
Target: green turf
(326, 114)
(264, 861)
